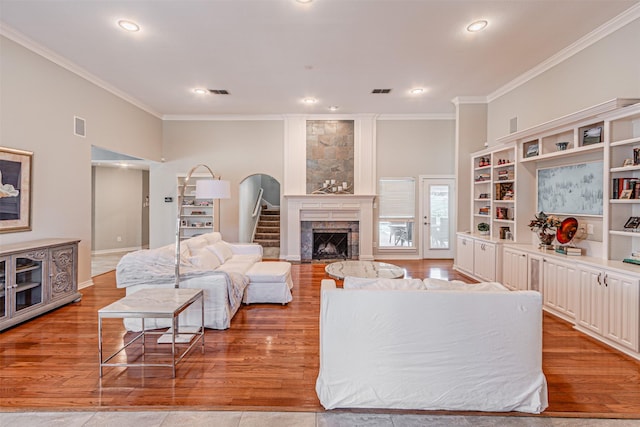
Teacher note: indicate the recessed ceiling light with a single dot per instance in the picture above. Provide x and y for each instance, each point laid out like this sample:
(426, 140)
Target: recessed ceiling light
(334, 108)
(304, 1)
(417, 91)
(477, 26)
(200, 91)
(128, 25)
(309, 100)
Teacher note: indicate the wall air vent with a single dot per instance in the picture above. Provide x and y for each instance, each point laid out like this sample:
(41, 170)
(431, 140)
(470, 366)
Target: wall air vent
(79, 126)
(219, 91)
(381, 91)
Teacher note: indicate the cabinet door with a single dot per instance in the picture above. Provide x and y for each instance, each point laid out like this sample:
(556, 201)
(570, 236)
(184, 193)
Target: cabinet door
(591, 305)
(4, 289)
(484, 260)
(622, 309)
(534, 272)
(464, 254)
(510, 268)
(62, 268)
(29, 275)
(514, 269)
(560, 287)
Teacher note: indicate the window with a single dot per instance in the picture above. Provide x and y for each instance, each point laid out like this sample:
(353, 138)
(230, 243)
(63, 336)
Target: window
(396, 207)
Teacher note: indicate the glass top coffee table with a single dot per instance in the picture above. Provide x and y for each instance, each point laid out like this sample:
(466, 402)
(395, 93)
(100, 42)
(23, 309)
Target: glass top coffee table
(368, 269)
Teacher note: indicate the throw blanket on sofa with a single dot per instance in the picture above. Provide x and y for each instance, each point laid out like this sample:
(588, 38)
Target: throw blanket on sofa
(140, 269)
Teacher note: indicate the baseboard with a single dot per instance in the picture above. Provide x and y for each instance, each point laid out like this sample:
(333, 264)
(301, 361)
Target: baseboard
(85, 284)
(116, 250)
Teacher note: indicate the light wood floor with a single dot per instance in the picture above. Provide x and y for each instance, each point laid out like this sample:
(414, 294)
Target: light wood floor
(267, 360)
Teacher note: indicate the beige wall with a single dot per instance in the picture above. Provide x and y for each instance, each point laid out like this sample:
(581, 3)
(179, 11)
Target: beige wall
(117, 208)
(409, 148)
(608, 69)
(232, 149)
(38, 100)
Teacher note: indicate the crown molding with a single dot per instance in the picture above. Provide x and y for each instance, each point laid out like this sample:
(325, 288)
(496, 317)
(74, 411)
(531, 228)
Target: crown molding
(429, 116)
(59, 60)
(458, 100)
(594, 36)
(220, 117)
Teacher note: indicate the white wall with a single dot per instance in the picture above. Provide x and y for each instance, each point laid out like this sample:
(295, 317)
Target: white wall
(38, 101)
(117, 207)
(232, 149)
(249, 190)
(608, 69)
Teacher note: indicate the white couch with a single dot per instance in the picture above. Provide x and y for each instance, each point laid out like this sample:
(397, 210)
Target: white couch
(430, 349)
(207, 262)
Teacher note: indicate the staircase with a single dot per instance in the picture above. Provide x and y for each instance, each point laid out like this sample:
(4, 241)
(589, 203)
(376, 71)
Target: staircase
(268, 231)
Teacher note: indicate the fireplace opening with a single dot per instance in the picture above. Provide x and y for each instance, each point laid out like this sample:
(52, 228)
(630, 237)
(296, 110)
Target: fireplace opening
(330, 244)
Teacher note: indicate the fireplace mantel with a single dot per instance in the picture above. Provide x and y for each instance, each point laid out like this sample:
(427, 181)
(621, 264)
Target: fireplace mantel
(327, 207)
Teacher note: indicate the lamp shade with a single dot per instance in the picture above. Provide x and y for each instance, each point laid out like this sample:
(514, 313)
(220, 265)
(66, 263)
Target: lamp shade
(212, 189)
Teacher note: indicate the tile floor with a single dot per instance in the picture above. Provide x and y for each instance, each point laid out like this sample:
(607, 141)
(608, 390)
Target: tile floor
(286, 419)
(106, 262)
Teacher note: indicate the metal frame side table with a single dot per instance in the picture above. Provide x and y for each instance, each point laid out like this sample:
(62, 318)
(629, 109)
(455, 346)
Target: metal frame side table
(154, 303)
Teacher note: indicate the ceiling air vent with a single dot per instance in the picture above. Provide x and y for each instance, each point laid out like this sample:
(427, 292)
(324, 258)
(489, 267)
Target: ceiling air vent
(381, 91)
(219, 91)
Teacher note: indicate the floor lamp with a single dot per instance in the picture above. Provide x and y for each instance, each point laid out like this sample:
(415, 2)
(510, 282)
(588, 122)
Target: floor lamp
(213, 189)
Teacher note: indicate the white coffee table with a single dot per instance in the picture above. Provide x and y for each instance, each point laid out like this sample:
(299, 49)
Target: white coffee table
(368, 269)
(155, 303)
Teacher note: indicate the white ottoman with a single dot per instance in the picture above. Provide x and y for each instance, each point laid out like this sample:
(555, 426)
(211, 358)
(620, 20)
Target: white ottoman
(269, 282)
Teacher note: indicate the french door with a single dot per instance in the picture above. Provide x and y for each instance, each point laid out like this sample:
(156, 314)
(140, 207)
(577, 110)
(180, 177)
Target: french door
(437, 216)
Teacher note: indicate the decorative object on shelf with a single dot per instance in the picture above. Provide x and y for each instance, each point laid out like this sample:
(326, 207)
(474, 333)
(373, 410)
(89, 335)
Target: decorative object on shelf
(627, 162)
(484, 162)
(632, 223)
(626, 194)
(592, 136)
(505, 233)
(15, 190)
(532, 150)
(330, 186)
(483, 228)
(567, 230)
(483, 196)
(636, 156)
(545, 225)
(561, 146)
(211, 189)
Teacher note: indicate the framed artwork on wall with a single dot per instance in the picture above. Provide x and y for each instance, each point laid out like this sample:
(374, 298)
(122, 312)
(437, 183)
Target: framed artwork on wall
(571, 190)
(15, 190)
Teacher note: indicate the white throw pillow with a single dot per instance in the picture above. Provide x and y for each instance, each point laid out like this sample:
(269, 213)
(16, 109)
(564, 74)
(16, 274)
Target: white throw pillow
(212, 237)
(205, 260)
(222, 250)
(457, 285)
(195, 244)
(391, 284)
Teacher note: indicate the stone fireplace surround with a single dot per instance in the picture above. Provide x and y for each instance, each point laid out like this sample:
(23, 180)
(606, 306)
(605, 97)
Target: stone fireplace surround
(312, 232)
(329, 208)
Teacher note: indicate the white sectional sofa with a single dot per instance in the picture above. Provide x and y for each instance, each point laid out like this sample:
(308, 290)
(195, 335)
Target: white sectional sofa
(430, 345)
(207, 262)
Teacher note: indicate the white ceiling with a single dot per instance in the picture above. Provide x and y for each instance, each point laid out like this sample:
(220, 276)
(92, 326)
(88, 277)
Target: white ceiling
(269, 54)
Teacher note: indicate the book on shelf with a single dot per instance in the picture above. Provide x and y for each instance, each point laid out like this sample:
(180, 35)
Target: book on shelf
(628, 183)
(569, 250)
(631, 261)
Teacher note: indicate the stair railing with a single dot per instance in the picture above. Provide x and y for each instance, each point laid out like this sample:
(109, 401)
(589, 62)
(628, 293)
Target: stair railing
(257, 210)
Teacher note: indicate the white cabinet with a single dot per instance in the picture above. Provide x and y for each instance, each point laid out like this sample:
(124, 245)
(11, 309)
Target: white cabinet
(484, 261)
(609, 306)
(464, 254)
(515, 268)
(478, 258)
(560, 287)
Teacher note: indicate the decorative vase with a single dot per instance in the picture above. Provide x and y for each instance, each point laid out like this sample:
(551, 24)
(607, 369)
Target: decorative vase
(545, 239)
